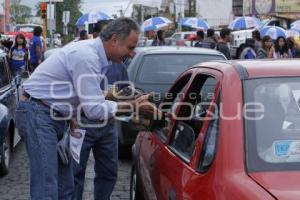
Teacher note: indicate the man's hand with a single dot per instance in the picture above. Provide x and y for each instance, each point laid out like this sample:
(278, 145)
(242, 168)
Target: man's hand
(110, 96)
(73, 125)
(147, 109)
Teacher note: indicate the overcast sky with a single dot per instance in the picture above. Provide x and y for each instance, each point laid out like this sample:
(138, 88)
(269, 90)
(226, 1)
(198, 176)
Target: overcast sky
(108, 6)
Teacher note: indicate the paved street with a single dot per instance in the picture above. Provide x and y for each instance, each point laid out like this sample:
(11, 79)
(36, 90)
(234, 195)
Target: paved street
(15, 186)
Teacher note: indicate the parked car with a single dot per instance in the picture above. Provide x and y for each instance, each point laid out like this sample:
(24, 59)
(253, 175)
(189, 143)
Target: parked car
(9, 136)
(236, 140)
(154, 69)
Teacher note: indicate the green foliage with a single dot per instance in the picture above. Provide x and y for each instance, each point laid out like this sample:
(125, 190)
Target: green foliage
(19, 13)
(68, 5)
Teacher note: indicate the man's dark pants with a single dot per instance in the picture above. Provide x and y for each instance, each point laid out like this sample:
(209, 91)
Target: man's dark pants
(104, 143)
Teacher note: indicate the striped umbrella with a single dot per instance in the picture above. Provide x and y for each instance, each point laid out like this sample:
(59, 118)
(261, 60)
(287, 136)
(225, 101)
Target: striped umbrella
(155, 23)
(273, 31)
(245, 23)
(194, 22)
(293, 32)
(92, 17)
(295, 23)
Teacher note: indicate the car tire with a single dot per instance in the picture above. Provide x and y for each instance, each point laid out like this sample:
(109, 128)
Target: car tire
(135, 190)
(5, 153)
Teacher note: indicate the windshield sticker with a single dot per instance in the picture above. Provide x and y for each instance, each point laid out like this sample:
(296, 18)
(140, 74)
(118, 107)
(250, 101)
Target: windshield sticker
(287, 148)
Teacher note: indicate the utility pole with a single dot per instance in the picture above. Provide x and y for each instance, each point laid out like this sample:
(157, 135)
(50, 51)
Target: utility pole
(50, 23)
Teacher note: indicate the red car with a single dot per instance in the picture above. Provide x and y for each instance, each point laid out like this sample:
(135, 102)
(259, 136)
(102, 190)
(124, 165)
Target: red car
(231, 131)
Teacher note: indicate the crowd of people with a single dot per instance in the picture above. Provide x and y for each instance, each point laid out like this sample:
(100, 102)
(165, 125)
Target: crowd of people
(24, 54)
(112, 42)
(254, 48)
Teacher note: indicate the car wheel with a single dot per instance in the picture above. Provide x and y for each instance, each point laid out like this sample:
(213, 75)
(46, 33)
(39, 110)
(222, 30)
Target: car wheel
(5, 152)
(135, 191)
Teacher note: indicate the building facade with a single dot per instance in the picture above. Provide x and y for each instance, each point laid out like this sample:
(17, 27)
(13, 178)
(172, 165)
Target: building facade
(215, 12)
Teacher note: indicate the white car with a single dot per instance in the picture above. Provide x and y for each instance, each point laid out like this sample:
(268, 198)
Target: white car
(181, 36)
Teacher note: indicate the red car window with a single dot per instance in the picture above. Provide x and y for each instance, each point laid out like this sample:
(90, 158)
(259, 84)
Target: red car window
(172, 98)
(192, 114)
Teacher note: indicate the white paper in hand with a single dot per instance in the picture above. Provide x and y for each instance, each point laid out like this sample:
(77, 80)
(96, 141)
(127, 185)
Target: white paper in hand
(76, 140)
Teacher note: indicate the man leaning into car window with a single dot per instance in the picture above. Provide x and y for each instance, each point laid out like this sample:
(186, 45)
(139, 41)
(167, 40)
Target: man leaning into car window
(60, 88)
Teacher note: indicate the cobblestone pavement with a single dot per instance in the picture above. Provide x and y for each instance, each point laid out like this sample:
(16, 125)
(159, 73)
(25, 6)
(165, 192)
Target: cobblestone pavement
(15, 185)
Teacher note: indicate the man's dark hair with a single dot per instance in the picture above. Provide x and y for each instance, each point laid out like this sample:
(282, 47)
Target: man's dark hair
(37, 31)
(210, 32)
(256, 35)
(160, 34)
(82, 33)
(122, 27)
(224, 32)
(200, 34)
(100, 25)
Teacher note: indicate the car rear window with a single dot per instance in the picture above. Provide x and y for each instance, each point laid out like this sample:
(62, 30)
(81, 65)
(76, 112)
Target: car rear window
(164, 69)
(273, 130)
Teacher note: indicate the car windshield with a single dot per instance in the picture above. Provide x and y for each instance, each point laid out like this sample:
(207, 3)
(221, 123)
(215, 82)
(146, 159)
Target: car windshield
(273, 130)
(165, 68)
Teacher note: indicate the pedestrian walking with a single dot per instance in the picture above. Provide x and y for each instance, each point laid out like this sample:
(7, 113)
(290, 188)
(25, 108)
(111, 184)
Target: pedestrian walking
(223, 44)
(159, 40)
(210, 41)
(266, 50)
(257, 39)
(200, 37)
(18, 55)
(83, 35)
(103, 141)
(36, 48)
(62, 87)
(293, 47)
(281, 49)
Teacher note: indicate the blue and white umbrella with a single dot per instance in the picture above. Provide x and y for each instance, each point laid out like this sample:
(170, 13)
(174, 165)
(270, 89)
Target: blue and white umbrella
(92, 17)
(194, 22)
(155, 23)
(273, 31)
(245, 23)
(296, 26)
(295, 23)
(293, 32)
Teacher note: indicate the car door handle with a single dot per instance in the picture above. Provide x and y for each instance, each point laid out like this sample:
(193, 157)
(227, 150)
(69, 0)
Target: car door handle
(172, 194)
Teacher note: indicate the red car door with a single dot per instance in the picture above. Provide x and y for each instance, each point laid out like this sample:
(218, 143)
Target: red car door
(151, 144)
(170, 149)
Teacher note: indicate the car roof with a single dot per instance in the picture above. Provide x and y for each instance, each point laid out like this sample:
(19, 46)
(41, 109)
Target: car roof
(175, 49)
(258, 68)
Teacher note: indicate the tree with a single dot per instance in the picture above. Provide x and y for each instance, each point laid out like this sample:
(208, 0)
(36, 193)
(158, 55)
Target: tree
(19, 13)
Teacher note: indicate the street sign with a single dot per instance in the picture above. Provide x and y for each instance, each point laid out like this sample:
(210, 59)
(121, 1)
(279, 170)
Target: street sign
(50, 11)
(51, 25)
(66, 17)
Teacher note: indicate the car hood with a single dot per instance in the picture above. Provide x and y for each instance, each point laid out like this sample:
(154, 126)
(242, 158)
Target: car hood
(282, 185)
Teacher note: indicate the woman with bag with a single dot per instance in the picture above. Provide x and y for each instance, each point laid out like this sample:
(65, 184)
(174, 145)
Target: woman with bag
(18, 55)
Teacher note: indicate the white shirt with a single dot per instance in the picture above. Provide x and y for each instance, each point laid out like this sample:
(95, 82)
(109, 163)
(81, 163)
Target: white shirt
(70, 79)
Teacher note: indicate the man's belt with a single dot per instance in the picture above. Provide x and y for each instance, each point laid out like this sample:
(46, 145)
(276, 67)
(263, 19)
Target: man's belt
(26, 96)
